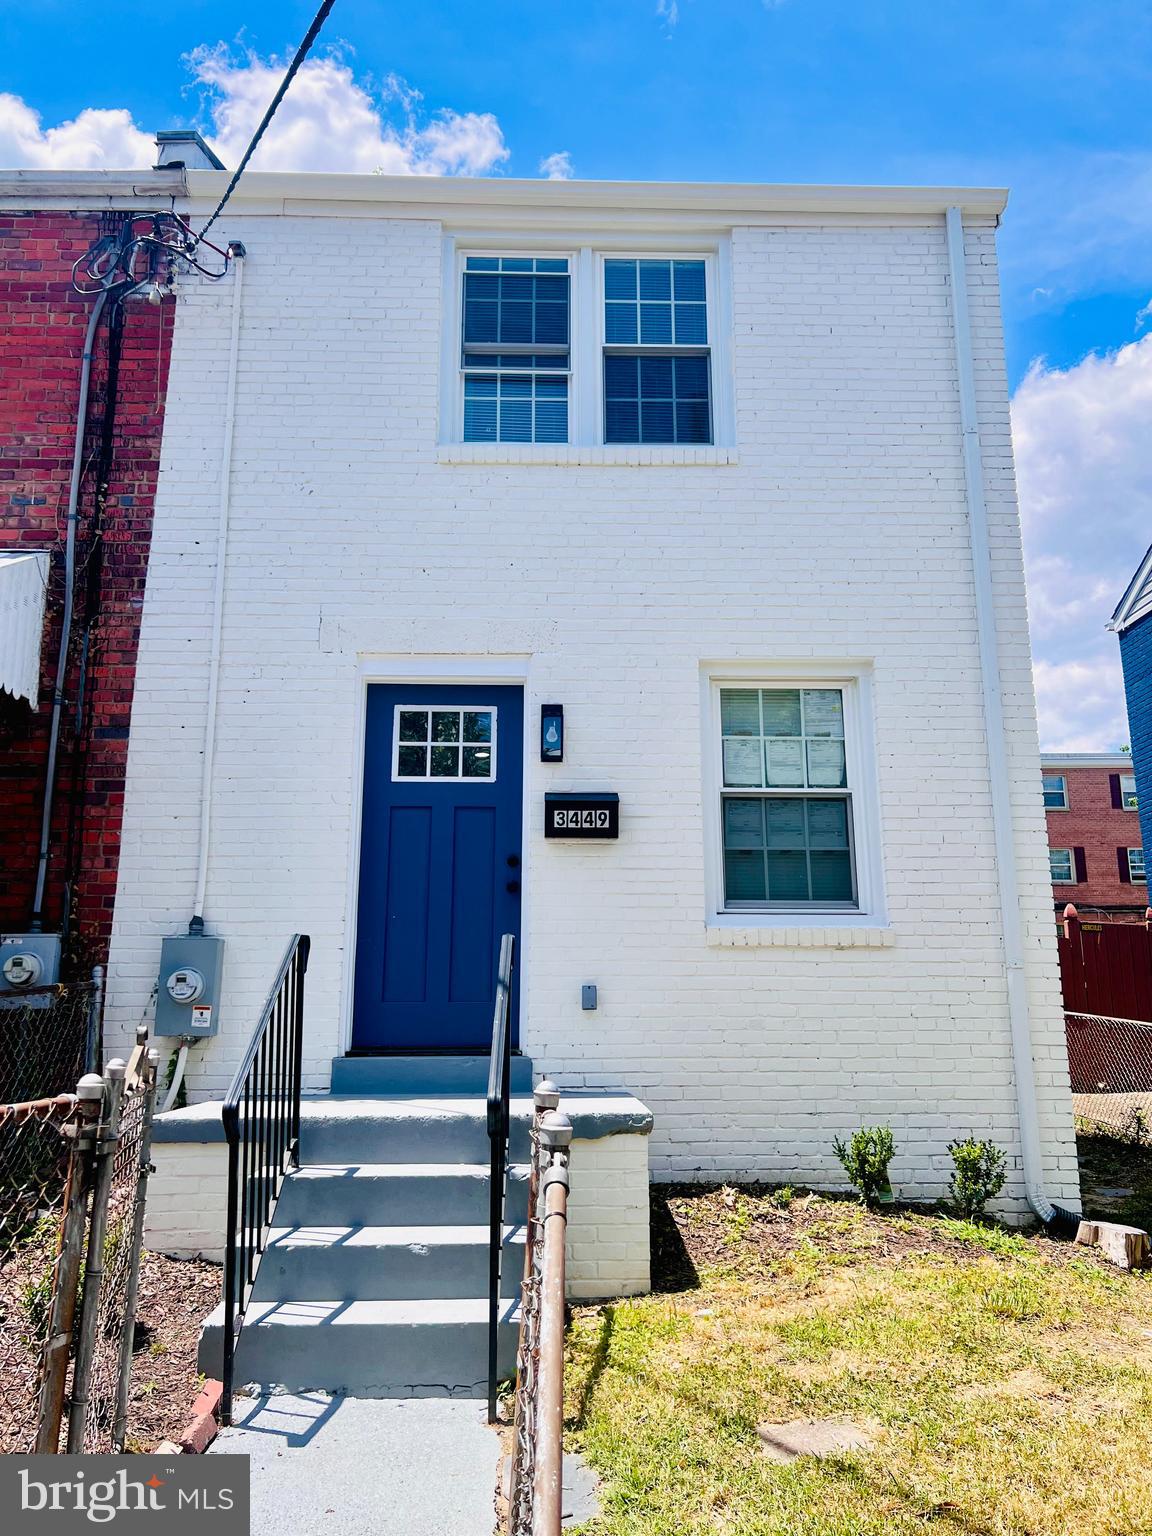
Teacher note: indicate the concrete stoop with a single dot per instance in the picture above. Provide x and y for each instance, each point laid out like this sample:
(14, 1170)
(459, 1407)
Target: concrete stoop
(374, 1280)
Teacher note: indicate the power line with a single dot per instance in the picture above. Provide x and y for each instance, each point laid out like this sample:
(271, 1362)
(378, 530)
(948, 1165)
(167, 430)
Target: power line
(310, 37)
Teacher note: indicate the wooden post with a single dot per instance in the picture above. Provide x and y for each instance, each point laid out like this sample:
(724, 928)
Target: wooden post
(1072, 921)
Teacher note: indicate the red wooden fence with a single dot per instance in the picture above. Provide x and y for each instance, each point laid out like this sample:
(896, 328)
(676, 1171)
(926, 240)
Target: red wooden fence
(1106, 971)
(1106, 968)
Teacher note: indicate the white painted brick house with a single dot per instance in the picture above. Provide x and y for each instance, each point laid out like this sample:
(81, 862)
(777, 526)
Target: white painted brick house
(765, 638)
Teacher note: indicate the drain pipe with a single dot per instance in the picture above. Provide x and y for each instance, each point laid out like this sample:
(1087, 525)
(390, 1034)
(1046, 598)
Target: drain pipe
(238, 253)
(1022, 1060)
(37, 918)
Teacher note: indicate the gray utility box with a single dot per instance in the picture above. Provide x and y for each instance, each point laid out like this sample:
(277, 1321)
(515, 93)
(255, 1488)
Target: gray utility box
(29, 962)
(188, 987)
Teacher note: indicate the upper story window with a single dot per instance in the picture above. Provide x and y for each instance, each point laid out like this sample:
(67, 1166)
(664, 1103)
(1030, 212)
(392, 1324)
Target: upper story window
(587, 348)
(1128, 792)
(657, 366)
(1135, 862)
(515, 356)
(1061, 866)
(1055, 792)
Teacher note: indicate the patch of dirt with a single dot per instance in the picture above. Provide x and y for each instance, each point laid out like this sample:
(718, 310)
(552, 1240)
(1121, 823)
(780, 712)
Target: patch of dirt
(176, 1295)
(702, 1226)
(1116, 1178)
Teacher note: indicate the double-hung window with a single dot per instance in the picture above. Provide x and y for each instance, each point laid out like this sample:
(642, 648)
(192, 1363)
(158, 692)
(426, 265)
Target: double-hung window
(657, 360)
(1128, 797)
(1136, 870)
(1055, 792)
(515, 354)
(1061, 866)
(786, 799)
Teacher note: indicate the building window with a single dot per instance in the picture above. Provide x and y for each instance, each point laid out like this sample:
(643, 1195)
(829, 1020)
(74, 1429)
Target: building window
(443, 743)
(1128, 792)
(1136, 865)
(1055, 792)
(657, 361)
(1062, 868)
(515, 354)
(785, 801)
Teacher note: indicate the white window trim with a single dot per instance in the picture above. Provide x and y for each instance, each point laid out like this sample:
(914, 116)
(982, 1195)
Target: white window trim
(854, 679)
(1131, 777)
(1142, 878)
(1063, 777)
(430, 710)
(1071, 880)
(586, 354)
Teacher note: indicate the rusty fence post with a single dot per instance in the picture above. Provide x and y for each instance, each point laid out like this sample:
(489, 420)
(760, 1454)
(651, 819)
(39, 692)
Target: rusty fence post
(66, 1277)
(149, 1064)
(548, 1472)
(107, 1137)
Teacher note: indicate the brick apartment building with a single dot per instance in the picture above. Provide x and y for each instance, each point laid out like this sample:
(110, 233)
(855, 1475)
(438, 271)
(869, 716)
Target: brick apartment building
(48, 221)
(1094, 842)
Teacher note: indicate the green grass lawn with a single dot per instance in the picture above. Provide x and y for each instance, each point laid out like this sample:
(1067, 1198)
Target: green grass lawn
(1005, 1381)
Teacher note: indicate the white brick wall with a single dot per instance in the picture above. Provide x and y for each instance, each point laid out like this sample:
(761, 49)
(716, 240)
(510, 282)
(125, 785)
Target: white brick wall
(187, 1208)
(839, 532)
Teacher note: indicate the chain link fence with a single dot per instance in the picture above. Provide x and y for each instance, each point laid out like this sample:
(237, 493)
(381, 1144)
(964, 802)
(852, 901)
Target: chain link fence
(1110, 1064)
(73, 1171)
(34, 1164)
(523, 1451)
(48, 1037)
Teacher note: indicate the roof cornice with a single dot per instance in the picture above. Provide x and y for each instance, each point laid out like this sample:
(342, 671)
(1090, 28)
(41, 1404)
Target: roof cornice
(1132, 594)
(452, 197)
(88, 190)
(1086, 759)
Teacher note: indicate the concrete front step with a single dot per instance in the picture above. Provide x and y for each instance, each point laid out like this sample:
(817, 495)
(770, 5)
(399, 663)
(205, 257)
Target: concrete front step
(395, 1194)
(370, 1348)
(423, 1074)
(408, 1128)
(384, 1263)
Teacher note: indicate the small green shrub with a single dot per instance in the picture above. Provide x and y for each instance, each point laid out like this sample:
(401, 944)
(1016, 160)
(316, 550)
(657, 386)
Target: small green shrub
(978, 1176)
(865, 1160)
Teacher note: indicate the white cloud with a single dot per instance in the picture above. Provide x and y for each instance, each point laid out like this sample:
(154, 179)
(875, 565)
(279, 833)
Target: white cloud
(1085, 477)
(97, 139)
(669, 11)
(328, 121)
(557, 167)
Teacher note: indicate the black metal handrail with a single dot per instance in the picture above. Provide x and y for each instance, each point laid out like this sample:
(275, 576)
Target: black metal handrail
(498, 1116)
(262, 1127)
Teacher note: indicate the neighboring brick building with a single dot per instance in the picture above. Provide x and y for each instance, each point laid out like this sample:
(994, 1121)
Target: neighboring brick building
(731, 535)
(1132, 622)
(47, 222)
(1094, 842)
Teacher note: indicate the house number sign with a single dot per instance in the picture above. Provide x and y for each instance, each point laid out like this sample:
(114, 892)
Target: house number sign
(574, 815)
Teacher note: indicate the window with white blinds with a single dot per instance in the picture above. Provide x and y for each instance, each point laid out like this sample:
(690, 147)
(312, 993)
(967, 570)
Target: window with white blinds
(786, 799)
(515, 355)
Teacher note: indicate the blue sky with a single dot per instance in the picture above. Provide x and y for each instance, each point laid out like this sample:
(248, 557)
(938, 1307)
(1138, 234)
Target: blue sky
(1050, 99)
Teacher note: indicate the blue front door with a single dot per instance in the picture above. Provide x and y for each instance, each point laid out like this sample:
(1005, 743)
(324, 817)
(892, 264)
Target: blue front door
(439, 864)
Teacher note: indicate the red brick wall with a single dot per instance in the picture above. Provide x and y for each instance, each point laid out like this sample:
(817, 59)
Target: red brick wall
(42, 324)
(1092, 823)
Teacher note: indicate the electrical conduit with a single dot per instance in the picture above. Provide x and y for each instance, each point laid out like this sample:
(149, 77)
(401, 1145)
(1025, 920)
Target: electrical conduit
(224, 512)
(66, 623)
(1020, 1028)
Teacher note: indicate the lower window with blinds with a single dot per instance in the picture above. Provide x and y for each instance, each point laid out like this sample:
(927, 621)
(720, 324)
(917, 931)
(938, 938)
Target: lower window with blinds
(786, 800)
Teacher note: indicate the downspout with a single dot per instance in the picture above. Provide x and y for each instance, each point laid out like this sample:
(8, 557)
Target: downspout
(196, 925)
(1008, 882)
(37, 918)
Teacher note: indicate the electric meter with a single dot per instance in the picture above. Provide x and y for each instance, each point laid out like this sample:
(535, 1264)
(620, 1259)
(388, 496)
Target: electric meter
(185, 986)
(23, 969)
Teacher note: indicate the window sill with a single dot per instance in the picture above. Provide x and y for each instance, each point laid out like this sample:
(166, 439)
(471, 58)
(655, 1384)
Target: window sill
(832, 935)
(615, 456)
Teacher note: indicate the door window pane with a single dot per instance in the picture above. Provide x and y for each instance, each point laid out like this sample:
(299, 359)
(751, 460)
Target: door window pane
(445, 743)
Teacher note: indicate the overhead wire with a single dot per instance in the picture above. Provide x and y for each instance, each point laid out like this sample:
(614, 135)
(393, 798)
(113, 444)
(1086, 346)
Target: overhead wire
(301, 54)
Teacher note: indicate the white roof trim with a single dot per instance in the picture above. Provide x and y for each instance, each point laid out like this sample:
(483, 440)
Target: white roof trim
(725, 202)
(1137, 595)
(1086, 760)
(88, 191)
(23, 585)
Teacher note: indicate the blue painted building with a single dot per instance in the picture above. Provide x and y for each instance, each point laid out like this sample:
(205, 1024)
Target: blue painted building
(1132, 621)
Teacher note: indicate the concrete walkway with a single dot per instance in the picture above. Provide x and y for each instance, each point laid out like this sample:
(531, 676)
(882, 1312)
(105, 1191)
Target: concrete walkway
(366, 1466)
